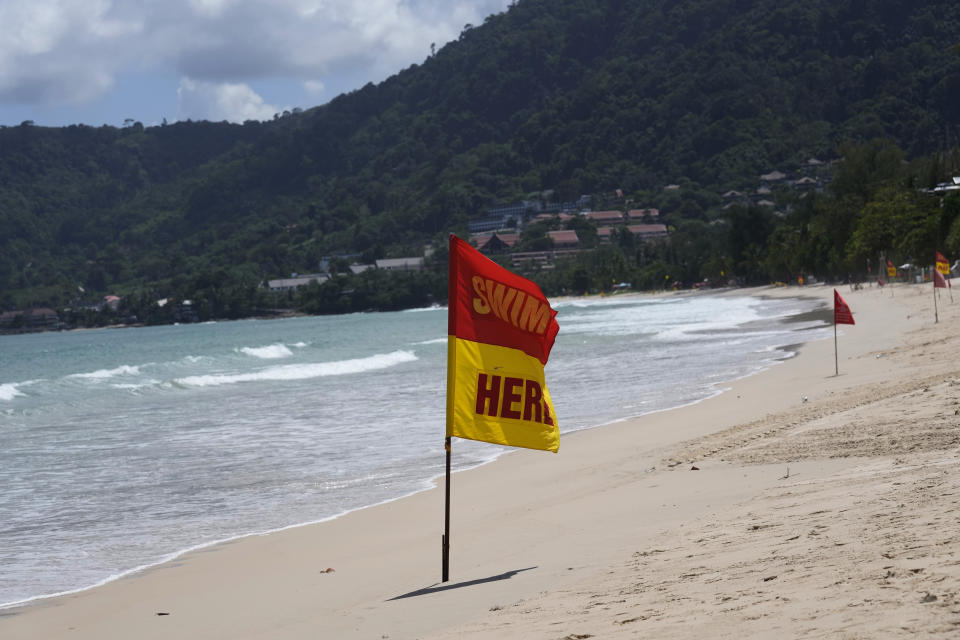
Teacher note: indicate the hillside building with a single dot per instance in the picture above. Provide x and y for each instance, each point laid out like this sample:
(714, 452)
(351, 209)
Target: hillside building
(295, 281)
(401, 264)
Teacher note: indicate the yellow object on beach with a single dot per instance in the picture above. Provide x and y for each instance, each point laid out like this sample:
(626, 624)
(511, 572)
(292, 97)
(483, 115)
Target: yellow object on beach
(501, 329)
(500, 397)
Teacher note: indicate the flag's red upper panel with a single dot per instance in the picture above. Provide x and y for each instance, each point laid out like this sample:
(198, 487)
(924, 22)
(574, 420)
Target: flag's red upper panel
(841, 312)
(491, 305)
(939, 282)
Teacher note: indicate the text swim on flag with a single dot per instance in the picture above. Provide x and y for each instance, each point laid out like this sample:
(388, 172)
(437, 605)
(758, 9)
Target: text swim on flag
(502, 329)
(492, 305)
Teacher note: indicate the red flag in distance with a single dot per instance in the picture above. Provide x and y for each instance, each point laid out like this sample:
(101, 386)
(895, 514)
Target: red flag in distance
(841, 312)
(939, 282)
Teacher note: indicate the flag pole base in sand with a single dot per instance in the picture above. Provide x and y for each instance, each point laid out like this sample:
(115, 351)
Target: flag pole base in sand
(836, 357)
(936, 315)
(445, 574)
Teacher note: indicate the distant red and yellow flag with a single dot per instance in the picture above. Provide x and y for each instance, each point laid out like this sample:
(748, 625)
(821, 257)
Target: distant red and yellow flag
(501, 329)
(841, 312)
(943, 265)
(891, 269)
(939, 282)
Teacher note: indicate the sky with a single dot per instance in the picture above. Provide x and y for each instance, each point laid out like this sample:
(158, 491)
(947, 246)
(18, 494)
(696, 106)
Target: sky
(99, 62)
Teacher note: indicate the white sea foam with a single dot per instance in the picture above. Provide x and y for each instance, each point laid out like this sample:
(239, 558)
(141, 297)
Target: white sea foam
(135, 387)
(435, 307)
(434, 341)
(681, 321)
(9, 391)
(269, 352)
(606, 302)
(122, 370)
(299, 345)
(303, 371)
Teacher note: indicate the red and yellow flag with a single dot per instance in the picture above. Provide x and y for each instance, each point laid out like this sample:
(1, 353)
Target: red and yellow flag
(501, 329)
(891, 269)
(943, 265)
(939, 282)
(841, 312)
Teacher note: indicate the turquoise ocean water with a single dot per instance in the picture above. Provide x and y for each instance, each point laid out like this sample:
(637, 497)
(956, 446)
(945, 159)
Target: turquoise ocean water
(122, 448)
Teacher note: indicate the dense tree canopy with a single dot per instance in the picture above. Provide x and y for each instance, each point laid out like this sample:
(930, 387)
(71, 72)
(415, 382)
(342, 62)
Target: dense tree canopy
(572, 96)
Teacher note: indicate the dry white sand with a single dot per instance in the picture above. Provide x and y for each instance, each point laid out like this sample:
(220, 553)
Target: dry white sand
(833, 516)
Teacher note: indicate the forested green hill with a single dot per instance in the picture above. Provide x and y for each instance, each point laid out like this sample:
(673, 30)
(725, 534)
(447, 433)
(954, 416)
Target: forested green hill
(574, 96)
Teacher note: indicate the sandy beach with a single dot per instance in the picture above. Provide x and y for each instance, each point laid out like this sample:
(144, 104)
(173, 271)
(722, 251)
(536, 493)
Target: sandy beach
(798, 503)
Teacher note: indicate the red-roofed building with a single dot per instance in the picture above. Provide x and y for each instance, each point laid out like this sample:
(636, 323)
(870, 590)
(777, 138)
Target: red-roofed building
(549, 217)
(565, 244)
(495, 243)
(564, 239)
(641, 214)
(605, 217)
(648, 231)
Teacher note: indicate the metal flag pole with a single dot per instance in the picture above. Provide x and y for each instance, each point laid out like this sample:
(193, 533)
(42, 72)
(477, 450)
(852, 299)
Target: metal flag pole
(446, 519)
(453, 266)
(836, 359)
(936, 316)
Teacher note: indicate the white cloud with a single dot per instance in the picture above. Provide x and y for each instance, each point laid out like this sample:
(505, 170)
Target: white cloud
(62, 51)
(209, 7)
(221, 101)
(54, 50)
(313, 87)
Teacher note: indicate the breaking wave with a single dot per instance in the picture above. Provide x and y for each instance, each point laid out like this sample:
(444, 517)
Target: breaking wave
(303, 371)
(122, 370)
(9, 391)
(270, 352)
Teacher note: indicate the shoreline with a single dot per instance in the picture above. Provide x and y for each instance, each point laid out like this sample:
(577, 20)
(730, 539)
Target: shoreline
(785, 352)
(593, 449)
(284, 314)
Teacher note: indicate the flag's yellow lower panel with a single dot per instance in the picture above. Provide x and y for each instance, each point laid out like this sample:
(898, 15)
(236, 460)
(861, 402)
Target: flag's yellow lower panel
(499, 395)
